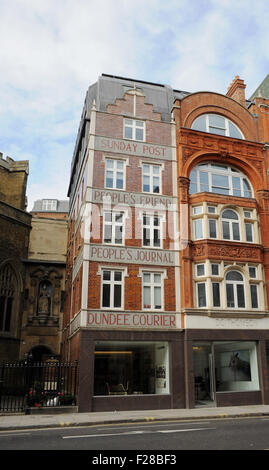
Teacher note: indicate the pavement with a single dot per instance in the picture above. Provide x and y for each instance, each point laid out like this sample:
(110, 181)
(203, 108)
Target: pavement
(37, 421)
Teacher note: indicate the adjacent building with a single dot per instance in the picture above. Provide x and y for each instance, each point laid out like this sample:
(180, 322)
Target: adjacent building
(167, 253)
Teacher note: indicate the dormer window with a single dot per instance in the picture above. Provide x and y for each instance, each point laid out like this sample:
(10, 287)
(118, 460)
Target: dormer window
(217, 124)
(49, 205)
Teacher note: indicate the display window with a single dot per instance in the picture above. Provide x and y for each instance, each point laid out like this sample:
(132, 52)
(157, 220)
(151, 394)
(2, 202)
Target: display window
(131, 368)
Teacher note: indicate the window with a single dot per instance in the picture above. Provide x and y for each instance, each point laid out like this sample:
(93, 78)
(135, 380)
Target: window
(151, 177)
(249, 232)
(212, 228)
(217, 124)
(152, 291)
(113, 227)
(235, 290)
(216, 294)
(134, 130)
(112, 289)
(200, 270)
(219, 179)
(230, 225)
(152, 231)
(215, 269)
(131, 368)
(114, 174)
(7, 296)
(252, 272)
(198, 229)
(201, 294)
(49, 205)
(254, 295)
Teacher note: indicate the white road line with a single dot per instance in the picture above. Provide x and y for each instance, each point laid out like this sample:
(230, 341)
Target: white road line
(83, 436)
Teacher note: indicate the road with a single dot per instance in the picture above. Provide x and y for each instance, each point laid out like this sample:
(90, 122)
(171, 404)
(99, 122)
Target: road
(215, 434)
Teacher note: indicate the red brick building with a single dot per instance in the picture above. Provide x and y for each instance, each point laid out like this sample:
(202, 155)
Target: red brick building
(167, 261)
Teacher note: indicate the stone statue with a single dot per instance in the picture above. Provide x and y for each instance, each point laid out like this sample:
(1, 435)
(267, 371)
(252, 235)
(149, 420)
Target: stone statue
(43, 302)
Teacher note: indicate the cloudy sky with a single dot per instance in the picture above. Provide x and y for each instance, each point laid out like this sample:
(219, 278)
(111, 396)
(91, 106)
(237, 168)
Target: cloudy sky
(52, 50)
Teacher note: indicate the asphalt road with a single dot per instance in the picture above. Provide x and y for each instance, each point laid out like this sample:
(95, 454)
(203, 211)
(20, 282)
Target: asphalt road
(216, 434)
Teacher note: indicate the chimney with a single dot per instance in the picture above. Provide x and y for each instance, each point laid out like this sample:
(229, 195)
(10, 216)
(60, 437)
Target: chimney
(236, 91)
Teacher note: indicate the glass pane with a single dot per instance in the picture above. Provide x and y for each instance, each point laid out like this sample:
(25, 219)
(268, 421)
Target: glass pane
(229, 214)
(106, 275)
(201, 295)
(247, 188)
(118, 234)
(234, 276)
(214, 269)
(236, 234)
(128, 122)
(146, 186)
(108, 234)
(128, 133)
(139, 123)
(156, 184)
(146, 220)
(119, 182)
(157, 278)
(230, 295)
(216, 294)
(216, 120)
(252, 272)
(146, 278)
(117, 276)
(226, 230)
(240, 296)
(157, 240)
(106, 295)
(203, 181)
(211, 210)
(146, 168)
(146, 297)
(199, 124)
(117, 295)
(198, 228)
(212, 228)
(156, 170)
(118, 217)
(139, 134)
(156, 221)
(109, 179)
(119, 165)
(109, 163)
(254, 296)
(214, 130)
(108, 216)
(233, 131)
(157, 297)
(220, 181)
(249, 236)
(200, 269)
(146, 237)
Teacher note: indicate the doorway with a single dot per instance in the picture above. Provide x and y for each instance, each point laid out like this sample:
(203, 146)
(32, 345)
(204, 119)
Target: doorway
(204, 374)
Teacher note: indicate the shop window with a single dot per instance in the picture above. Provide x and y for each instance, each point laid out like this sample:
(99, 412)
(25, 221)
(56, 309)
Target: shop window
(219, 179)
(151, 178)
(131, 368)
(114, 173)
(113, 227)
(134, 129)
(216, 124)
(112, 289)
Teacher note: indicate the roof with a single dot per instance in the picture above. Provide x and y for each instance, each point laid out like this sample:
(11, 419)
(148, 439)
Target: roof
(263, 90)
(61, 206)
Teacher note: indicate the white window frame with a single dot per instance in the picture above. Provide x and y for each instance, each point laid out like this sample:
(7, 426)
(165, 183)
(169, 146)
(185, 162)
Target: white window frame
(225, 126)
(114, 223)
(199, 220)
(231, 222)
(151, 176)
(152, 285)
(235, 283)
(49, 205)
(152, 228)
(112, 282)
(114, 170)
(132, 124)
(204, 283)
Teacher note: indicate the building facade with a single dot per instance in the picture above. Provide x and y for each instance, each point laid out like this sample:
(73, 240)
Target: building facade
(45, 281)
(15, 226)
(167, 255)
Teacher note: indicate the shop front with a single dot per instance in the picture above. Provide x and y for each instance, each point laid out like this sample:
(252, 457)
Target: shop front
(227, 368)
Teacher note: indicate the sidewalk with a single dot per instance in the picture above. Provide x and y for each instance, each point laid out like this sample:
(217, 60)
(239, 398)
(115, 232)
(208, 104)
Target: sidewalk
(35, 421)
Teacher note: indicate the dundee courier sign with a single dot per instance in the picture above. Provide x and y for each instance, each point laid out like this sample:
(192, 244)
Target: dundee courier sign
(132, 320)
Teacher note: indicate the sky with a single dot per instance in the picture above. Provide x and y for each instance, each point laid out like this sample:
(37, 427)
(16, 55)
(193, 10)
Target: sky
(51, 51)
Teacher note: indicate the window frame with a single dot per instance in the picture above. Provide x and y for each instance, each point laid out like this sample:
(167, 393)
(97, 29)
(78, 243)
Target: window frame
(235, 284)
(226, 127)
(133, 128)
(152, 285)
(112, 282)
(151, 177)
(152, 229)
(114, 171)
(113, 223)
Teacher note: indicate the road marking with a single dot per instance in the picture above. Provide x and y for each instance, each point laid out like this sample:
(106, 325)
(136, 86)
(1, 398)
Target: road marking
(184, 430)
(128, 433)
(11, 434)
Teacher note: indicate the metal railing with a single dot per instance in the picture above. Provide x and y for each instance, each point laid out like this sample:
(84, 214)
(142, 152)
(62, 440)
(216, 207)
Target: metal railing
(24, 384)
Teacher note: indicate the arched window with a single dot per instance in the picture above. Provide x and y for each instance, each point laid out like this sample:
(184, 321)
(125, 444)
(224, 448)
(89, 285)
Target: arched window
(235, 290)
(220, 179)
(8, 287)
(230, 225)
(217, 124)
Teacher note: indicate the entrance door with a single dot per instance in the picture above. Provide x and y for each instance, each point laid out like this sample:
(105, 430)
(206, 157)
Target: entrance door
(204, 375)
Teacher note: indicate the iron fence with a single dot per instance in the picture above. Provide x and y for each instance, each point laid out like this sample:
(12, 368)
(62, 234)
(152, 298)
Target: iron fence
(24, 384)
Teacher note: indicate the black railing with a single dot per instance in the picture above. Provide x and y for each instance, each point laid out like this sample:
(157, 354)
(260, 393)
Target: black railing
(24, 384)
